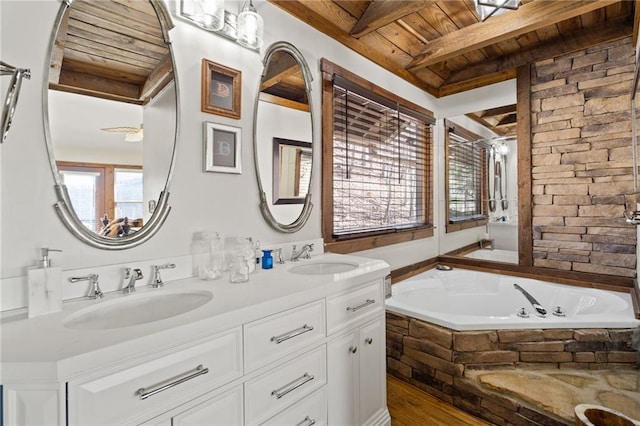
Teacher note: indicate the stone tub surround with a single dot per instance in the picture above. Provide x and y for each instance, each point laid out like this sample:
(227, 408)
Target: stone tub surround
(471, 369)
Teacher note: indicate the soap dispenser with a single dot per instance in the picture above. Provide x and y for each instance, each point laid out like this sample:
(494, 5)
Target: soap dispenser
(45, 286)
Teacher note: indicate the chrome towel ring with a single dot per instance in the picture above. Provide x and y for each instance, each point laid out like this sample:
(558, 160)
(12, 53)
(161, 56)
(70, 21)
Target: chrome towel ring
(11, 99)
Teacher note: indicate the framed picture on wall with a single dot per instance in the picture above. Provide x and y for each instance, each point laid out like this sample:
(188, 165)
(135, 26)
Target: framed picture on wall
(222, 148)
(221, 89)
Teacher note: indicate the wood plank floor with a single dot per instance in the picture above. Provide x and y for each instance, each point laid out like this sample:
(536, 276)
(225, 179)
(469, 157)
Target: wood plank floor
(409, 406)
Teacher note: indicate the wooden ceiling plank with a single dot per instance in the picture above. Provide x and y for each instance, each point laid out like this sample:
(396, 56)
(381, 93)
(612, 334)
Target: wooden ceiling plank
(111, 70)
(90, 47)
(355, 7)
(528, 17)
(131, 44)
(609, 31)
(100, 23)
(57, 53)
(112, 11)
(94, 86)
(383, 12)
(302, 11)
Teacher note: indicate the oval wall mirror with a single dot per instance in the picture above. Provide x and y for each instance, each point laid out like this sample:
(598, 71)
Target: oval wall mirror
(110, 119)
(283, 138)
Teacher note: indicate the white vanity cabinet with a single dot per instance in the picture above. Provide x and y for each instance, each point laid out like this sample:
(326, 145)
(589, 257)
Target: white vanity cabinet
(356, 359)
(224, 409)
(285, 349)
(132, 393)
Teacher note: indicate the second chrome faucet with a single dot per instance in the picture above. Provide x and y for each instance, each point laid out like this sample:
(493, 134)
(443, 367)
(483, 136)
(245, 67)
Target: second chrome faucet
(130, 278)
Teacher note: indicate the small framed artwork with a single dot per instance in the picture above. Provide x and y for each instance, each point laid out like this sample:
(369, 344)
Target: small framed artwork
(222, 148)
(221, 88)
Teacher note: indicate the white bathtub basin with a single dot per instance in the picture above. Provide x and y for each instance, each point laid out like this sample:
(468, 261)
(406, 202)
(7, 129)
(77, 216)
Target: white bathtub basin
(131, 310)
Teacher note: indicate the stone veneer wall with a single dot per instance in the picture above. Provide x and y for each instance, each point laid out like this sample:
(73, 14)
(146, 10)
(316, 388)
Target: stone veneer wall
(435, 359)
(582, 160)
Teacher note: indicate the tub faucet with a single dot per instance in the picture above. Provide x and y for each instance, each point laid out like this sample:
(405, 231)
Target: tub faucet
(157, 279)
(305, 252)
(130, 278)
(94, 291)
(536, 305)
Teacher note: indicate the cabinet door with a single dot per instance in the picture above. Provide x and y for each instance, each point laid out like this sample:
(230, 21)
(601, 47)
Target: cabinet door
(222, 410)
(373, 387)
(343, 379)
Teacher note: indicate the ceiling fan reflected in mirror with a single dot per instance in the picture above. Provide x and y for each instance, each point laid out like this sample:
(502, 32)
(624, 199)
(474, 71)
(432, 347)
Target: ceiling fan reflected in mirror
(131, 134)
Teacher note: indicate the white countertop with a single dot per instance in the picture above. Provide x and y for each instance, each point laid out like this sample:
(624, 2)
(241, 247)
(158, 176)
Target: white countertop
(43, 349)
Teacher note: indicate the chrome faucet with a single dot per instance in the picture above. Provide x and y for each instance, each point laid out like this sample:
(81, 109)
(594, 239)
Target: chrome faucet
(277, 253)
(157, 279)
(534, 303)
(94, 290)
(304, 253)
(130, 278)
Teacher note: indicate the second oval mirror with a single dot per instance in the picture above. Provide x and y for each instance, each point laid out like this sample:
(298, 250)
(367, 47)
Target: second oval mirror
(283, 138)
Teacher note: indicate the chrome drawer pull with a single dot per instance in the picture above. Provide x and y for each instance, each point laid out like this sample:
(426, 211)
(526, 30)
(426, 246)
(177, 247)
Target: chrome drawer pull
(279, 393)
(145, 393)
(308, 421)
(364, 305)
(291, 334)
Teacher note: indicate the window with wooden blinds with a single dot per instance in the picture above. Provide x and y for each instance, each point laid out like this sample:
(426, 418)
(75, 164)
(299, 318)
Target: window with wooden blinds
(466, 172)
(381, 165)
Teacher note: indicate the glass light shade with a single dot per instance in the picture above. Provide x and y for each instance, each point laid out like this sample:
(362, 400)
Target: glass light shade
(502, 148)
(209, 14)
(486, 8)
(250, 27)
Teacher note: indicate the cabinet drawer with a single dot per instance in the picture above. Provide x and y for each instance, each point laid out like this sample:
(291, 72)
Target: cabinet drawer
(344, 310)
(277, 389)
(312, 410)
(151, 386)
(268, 339)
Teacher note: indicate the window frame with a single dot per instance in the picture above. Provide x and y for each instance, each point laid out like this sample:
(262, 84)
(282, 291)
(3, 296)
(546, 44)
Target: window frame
(451, 127)
(105, 198)
(360, 241)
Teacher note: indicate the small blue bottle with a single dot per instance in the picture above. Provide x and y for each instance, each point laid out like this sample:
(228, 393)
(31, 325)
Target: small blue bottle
(267, 260)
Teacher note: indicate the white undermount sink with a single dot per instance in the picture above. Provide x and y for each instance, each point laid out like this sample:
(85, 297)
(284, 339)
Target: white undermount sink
(323, 268)
(136, 309)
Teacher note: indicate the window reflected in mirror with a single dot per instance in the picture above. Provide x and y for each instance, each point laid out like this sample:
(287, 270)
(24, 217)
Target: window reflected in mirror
(291, 170)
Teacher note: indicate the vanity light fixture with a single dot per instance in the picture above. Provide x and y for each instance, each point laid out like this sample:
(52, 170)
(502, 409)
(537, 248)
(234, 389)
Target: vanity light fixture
(246, 29)
(250, 27)
(209, 14)
(489, 8)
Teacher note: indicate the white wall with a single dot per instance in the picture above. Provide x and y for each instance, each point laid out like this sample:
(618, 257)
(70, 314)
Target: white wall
(224, 202)
(159, 134)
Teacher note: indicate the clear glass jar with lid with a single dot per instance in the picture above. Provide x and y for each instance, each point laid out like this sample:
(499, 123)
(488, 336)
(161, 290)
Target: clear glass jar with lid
(208, 251)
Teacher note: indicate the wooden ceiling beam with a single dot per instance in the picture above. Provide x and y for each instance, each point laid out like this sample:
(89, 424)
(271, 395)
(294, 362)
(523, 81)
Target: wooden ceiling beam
(326, 26)
(158, 79)
(506, 109)
(383, 12)
(610, 31)
(529, 17)
(636, 21)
